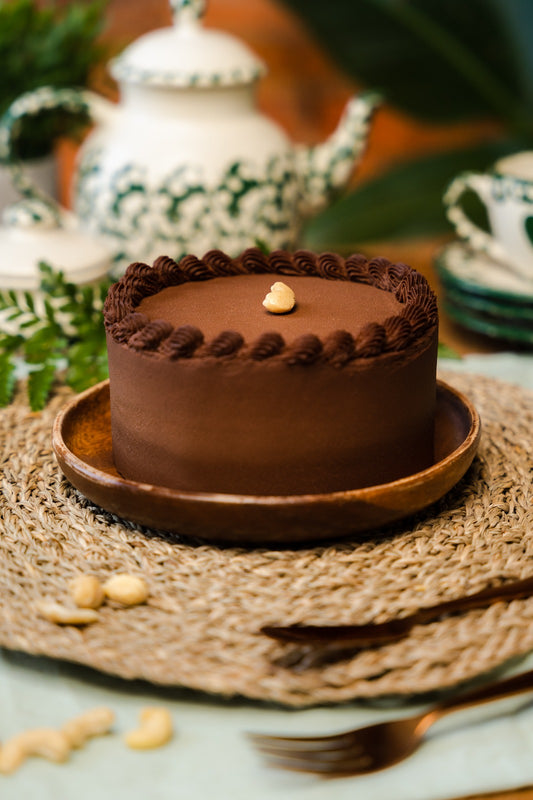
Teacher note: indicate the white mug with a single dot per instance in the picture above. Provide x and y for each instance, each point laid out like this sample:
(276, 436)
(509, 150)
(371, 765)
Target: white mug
(507, 193)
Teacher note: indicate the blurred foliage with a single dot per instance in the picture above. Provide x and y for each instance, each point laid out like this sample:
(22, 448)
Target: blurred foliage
(47, 45)
(439, 61)
(62, 336)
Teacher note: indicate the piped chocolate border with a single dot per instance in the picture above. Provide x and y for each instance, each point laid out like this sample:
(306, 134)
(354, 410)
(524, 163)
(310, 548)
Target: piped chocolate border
(134, 329)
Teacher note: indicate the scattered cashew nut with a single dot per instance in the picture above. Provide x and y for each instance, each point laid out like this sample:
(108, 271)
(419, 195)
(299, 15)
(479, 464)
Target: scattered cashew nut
(46, 742)
(155, 729)
(94, 722)
(126, 589)
(87, 591)
(280, 299)
(62, 615)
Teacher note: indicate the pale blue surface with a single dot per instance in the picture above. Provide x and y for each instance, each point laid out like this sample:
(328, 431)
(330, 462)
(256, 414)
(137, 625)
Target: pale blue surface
(210, 757)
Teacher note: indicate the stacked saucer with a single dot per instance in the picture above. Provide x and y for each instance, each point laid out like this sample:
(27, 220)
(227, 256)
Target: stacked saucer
(484, 296)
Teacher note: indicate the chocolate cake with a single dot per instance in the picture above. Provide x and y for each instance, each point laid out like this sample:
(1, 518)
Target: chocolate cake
(210, 392)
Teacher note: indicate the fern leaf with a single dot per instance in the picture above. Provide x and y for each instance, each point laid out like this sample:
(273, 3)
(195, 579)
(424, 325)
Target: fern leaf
(39, 386)
(7, 379)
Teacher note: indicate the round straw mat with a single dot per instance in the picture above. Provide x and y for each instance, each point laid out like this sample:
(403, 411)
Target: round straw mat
(199, 628)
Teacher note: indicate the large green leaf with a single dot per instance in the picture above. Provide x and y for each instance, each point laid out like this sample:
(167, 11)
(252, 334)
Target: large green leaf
(404, 202)
(436, 59)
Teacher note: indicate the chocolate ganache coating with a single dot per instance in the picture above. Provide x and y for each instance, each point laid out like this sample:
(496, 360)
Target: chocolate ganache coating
(212, 393)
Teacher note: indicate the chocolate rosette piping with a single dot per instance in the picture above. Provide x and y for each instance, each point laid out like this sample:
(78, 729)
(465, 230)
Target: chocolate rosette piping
(143, 281)
(398, 332)
(221, 264)
(281, 263)
(305, 262)
(417, 317)
(396, 273)
(370, 341)
(130, 324)
(182, 342)
(357, 269)
(307, 349)
(118, 303)
(151, 335)
(226, 343)
(130, 328)
(255, 261)
(378, 269)
(194, 269)
(331, 266)
(268, 345)
(170, 273)
(339, 348)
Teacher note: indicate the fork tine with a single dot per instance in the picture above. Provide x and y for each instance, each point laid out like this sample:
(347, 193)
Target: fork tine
(323, 756)
(315, 743)
(347, 765)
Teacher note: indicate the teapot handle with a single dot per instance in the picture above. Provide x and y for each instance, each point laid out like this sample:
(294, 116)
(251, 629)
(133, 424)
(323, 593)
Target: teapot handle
(73, 101)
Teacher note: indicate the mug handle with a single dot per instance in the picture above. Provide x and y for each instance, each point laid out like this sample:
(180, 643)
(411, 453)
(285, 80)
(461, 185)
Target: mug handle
(478, 239)
(74, 101)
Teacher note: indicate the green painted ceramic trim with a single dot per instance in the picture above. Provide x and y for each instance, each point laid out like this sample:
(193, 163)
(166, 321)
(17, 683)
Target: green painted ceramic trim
(507, 187)
(489, 327)
(506, 312)
(236, 77)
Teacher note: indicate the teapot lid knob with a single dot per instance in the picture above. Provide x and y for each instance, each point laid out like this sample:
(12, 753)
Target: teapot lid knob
(188, 10)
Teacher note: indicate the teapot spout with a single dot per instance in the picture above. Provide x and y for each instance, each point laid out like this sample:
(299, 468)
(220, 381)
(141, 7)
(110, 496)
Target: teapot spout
(325, 169)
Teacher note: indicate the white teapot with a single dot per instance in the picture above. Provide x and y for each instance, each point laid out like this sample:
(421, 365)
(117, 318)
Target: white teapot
(185, 162)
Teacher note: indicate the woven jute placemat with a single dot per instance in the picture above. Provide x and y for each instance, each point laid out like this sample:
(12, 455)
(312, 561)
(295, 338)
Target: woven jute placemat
(199, 628)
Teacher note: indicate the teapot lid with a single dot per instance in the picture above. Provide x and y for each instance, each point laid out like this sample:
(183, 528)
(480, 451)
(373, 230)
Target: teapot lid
(34, 232)
(187, 54)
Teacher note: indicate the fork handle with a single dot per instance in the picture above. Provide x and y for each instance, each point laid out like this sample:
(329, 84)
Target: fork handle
(517, 684)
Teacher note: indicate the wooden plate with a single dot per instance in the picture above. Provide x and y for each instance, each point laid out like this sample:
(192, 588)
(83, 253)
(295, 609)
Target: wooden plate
(82, 443)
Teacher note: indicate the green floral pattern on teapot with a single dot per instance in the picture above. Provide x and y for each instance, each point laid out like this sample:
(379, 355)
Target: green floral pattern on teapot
(184, 214)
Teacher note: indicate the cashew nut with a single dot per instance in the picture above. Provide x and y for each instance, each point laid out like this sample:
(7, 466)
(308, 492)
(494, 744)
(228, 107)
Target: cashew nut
(87, 591)
(126, 589)
(155, 729)
(280, 299)
(95, 722)
(46, 742)
(62, 615)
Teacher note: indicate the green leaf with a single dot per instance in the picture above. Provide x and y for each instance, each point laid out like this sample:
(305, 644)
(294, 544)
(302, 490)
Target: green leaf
(436, 60)
(43, 344)
(445, 351)
(76, 337)
(40, 385)
(41, 44)
(10, 342)
(7, 379)
(404, 202)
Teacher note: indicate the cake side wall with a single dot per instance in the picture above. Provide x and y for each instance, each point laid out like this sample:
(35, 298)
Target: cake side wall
(240, 426)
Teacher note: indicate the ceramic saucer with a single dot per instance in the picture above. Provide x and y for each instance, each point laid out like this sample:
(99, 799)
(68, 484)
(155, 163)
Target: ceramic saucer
(82, 444)
(484, 296)
(506, 313)
(474, 273)
(497, 326)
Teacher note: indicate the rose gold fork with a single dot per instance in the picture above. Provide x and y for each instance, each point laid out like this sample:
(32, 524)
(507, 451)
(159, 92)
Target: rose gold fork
(377, 746)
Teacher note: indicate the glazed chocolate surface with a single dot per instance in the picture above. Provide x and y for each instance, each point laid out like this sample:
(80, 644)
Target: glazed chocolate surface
(235, 303)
